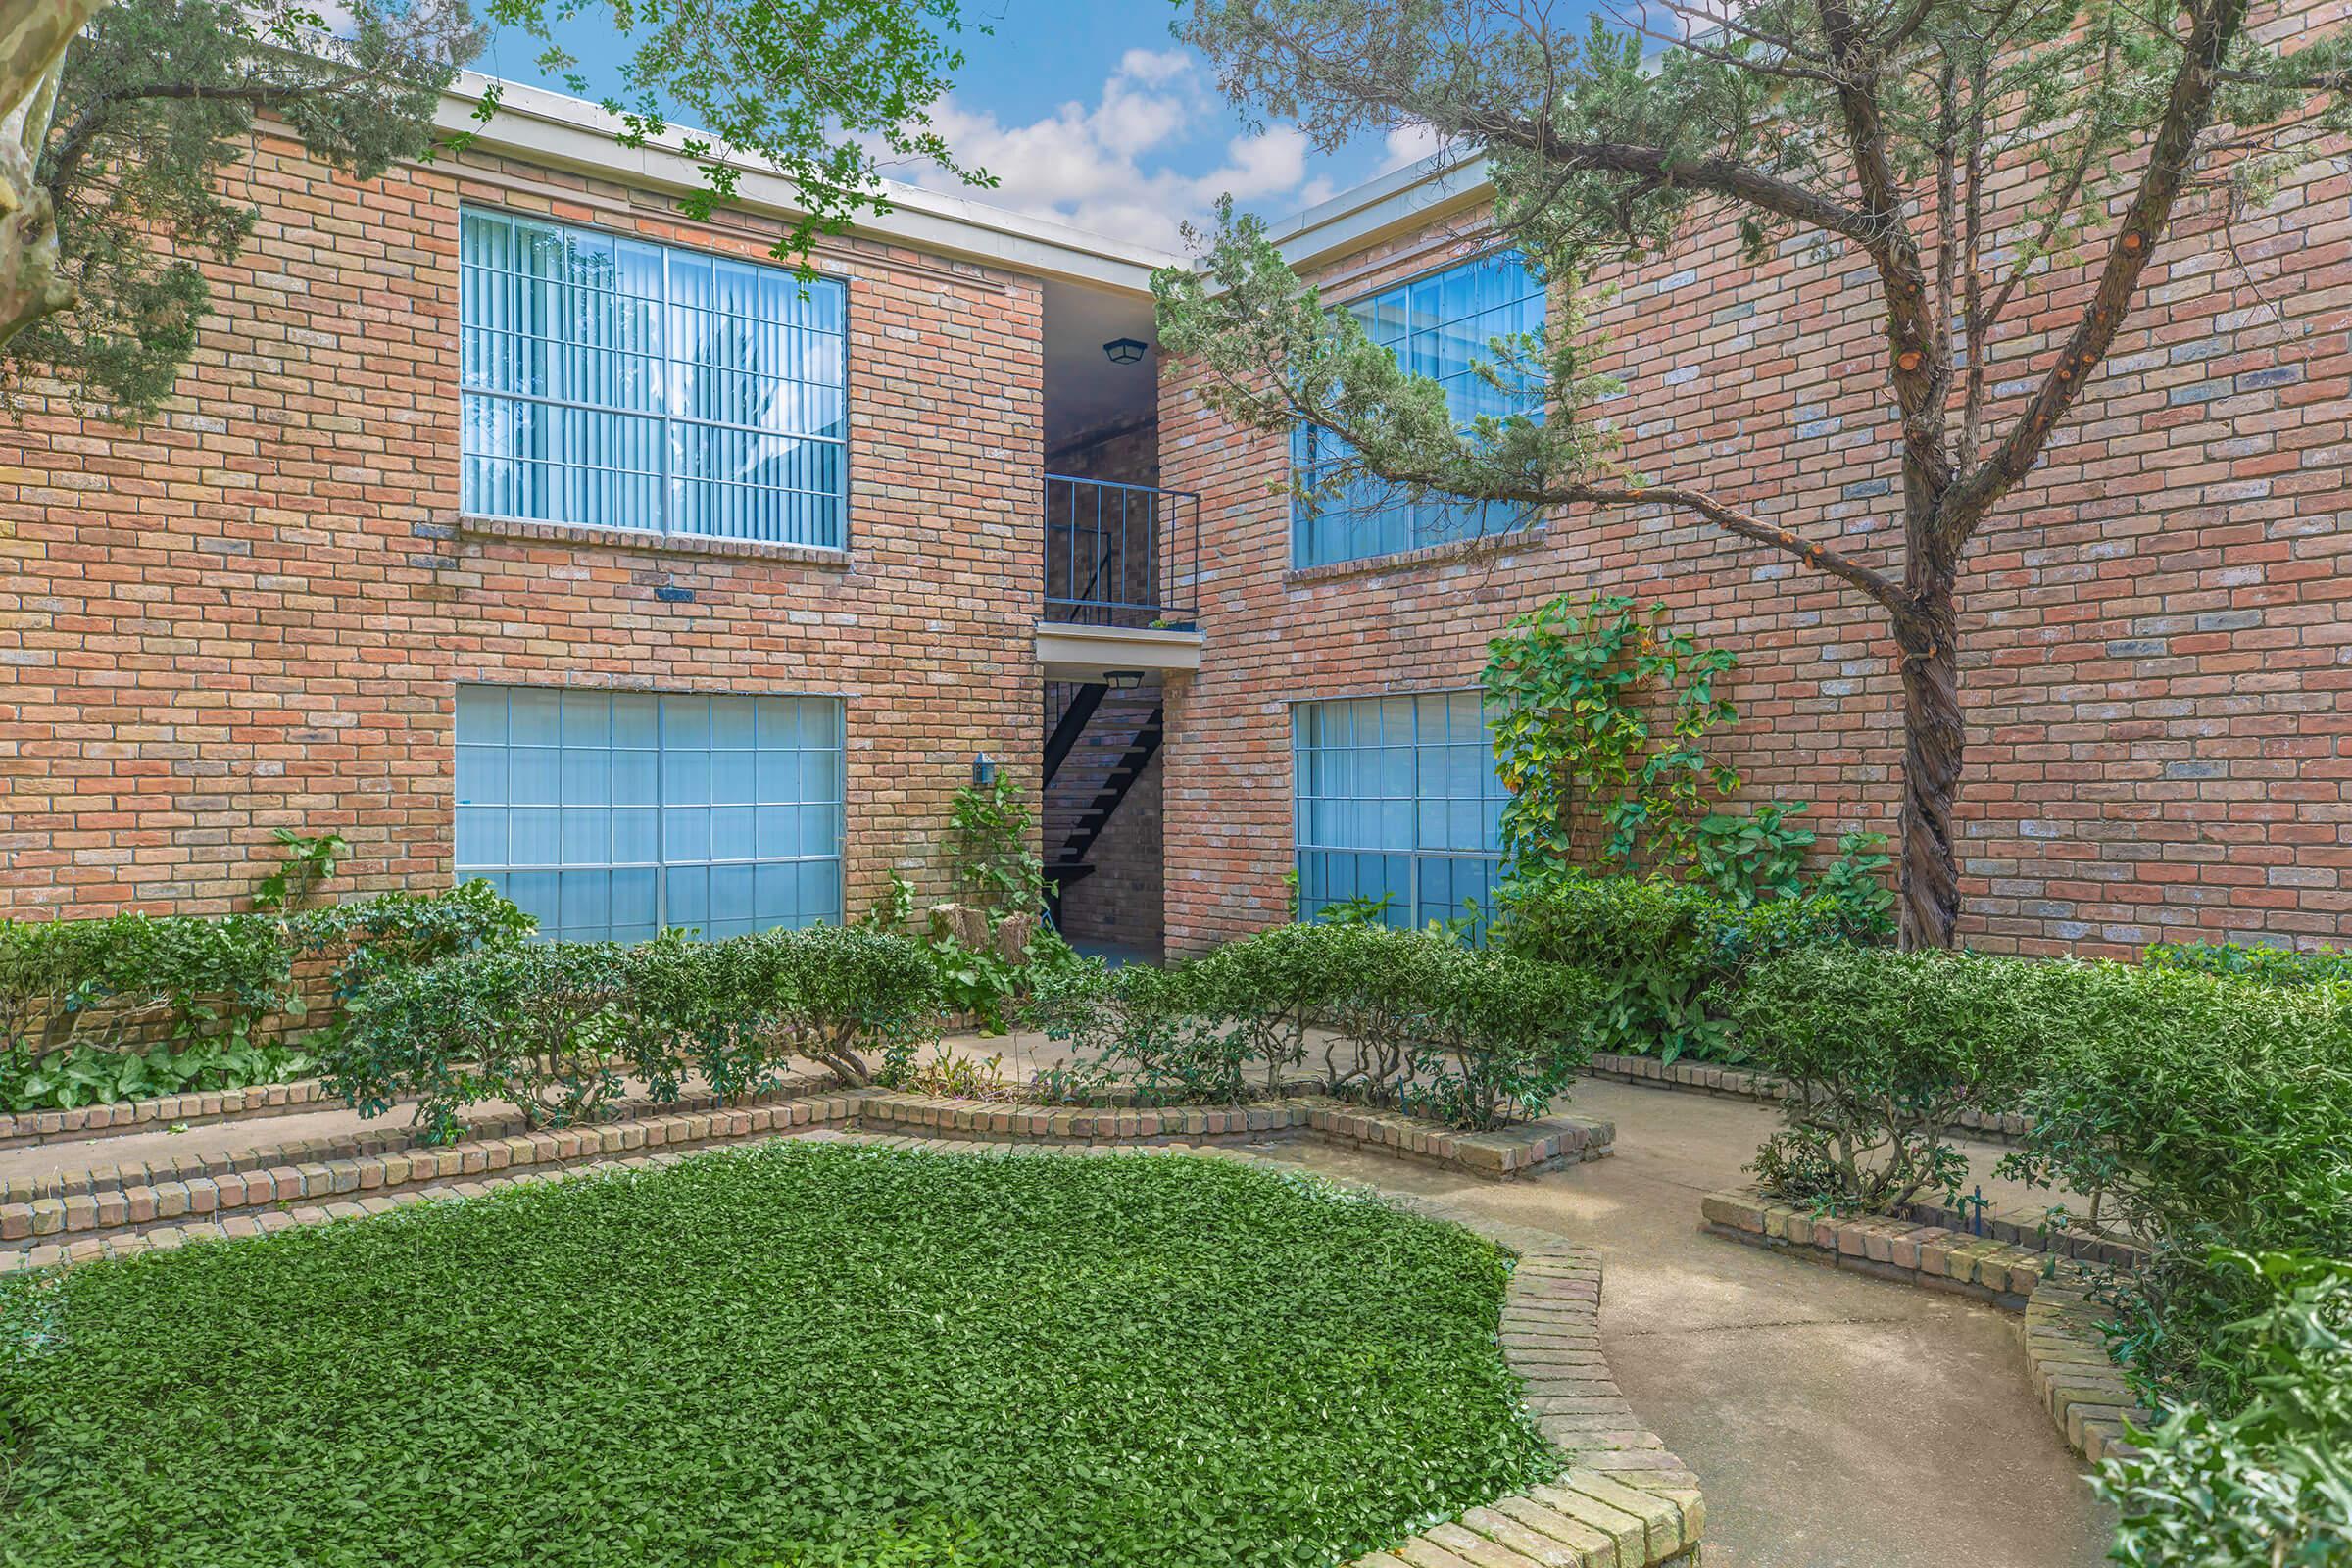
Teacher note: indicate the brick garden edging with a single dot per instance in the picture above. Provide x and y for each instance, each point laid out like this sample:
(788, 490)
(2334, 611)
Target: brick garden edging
(1744, 1083)
(2087, 1397)
(1984, 1267)
(79, 1213)
(25, 1127)
(92, 1180)
(2066, 1356)
(1499, 1155)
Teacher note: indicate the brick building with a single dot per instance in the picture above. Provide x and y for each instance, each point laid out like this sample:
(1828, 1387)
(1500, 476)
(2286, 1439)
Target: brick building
(509, 523)
(2157, 625)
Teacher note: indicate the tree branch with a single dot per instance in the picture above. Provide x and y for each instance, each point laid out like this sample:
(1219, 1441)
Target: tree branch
(2186, 112)
(1719, 176)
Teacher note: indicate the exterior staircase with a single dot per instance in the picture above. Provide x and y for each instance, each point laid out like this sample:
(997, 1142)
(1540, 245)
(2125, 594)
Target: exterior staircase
(1098, 744)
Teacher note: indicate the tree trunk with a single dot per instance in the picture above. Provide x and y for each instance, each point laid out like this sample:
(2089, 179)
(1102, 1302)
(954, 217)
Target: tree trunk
(1933, 735)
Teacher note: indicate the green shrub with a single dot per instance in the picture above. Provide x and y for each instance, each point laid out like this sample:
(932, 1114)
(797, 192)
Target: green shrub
(99, 1011)
(534, 1025)
(2197, 1114)
(2271, 1484)
(1662, 952)
(1884, 1052)
(2280, 966)
(368, 938)
(1504, 1037)
(1411, 1019)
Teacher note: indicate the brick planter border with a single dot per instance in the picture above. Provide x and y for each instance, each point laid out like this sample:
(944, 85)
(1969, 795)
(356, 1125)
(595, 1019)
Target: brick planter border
(1746, 1083)
(387, 1140)
(1501, 1155)
(1983, 1267)
(146, 1115)
(2066, 1357)
(76, 1214)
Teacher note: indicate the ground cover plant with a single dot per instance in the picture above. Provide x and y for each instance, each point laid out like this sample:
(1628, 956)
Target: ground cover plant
(797, 1354)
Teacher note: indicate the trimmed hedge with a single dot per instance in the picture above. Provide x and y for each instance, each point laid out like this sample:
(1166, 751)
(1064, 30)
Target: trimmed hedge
(555, 1028)
(1473, 1038)
(2280, 966)
(1662, 952)
(2208, 1117)
(2271, 1484)
(1886, 1051)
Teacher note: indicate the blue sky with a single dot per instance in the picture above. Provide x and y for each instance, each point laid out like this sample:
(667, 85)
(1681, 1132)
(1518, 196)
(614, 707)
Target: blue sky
(1088, 111)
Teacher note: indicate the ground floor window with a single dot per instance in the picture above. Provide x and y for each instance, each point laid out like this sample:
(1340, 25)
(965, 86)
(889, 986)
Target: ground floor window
(1396, 798)
(611, 815)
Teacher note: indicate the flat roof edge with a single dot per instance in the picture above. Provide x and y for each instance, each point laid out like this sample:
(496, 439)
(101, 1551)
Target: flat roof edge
(540, 127)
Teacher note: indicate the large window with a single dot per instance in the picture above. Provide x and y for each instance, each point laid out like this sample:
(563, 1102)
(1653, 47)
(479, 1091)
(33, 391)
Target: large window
(1396, 798)
(1439, 325)
(611, 816)
(618, 385)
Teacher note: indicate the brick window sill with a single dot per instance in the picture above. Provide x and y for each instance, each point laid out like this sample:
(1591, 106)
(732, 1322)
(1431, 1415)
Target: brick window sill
(1424, 555)
(564, 533)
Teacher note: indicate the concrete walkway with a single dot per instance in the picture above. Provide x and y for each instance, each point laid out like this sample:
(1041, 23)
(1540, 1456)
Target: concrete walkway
(1836, 1421)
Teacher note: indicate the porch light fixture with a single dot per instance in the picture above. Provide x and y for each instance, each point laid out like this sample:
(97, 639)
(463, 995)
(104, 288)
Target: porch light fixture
(984, 770)
(1123, 350)
(1122, 680)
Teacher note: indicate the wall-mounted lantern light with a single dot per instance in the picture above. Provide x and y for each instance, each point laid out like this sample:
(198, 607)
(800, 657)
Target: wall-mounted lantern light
(1123, 350)
(984, 770)
(1122, 680)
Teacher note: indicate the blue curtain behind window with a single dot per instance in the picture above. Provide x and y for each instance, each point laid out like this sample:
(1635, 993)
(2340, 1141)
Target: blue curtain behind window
(616, 384)
(609, 816)
(1397, 797)
(1439, 325)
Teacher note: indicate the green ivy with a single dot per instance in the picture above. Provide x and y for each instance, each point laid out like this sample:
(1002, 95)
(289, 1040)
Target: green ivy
(1601, 713)
(801, 1353)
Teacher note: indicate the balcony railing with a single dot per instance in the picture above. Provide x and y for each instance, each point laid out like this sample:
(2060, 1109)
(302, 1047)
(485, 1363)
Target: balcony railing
(1120, 555)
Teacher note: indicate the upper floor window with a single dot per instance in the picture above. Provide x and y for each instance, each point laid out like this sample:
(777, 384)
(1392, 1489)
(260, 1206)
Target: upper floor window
(1439, 326)
(618, 385)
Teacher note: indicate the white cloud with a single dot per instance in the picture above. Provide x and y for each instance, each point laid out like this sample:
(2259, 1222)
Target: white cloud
(1409, 144)
(1105, 165)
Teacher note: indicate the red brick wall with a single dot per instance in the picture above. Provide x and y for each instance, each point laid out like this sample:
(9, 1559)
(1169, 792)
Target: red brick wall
(2156, 649)
(254, 611)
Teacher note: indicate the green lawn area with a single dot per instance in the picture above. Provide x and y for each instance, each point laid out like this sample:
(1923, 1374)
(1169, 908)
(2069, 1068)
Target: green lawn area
(797, 1355)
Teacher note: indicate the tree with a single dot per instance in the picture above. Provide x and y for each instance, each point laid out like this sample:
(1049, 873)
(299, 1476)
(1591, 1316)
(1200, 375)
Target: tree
(1889, 128)
(120, 118)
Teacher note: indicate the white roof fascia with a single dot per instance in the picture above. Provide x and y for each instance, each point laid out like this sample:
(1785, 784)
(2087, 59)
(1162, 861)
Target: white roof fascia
(551, 129)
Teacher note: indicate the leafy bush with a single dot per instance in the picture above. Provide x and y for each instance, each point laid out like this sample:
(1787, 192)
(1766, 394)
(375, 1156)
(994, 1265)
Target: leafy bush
(368, 938)
(98, 1010)
(549, 1026)
(2271, 1484)
(2280, 966)
(1663, 952)
(1884, 1052)
(2196, 1113)
(1504, 1037)
(1411, 1019)
(1746, 858)
(534, 1025)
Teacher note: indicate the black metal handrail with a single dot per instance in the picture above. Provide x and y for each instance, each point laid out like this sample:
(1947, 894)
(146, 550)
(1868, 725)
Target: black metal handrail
(1120, 555)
